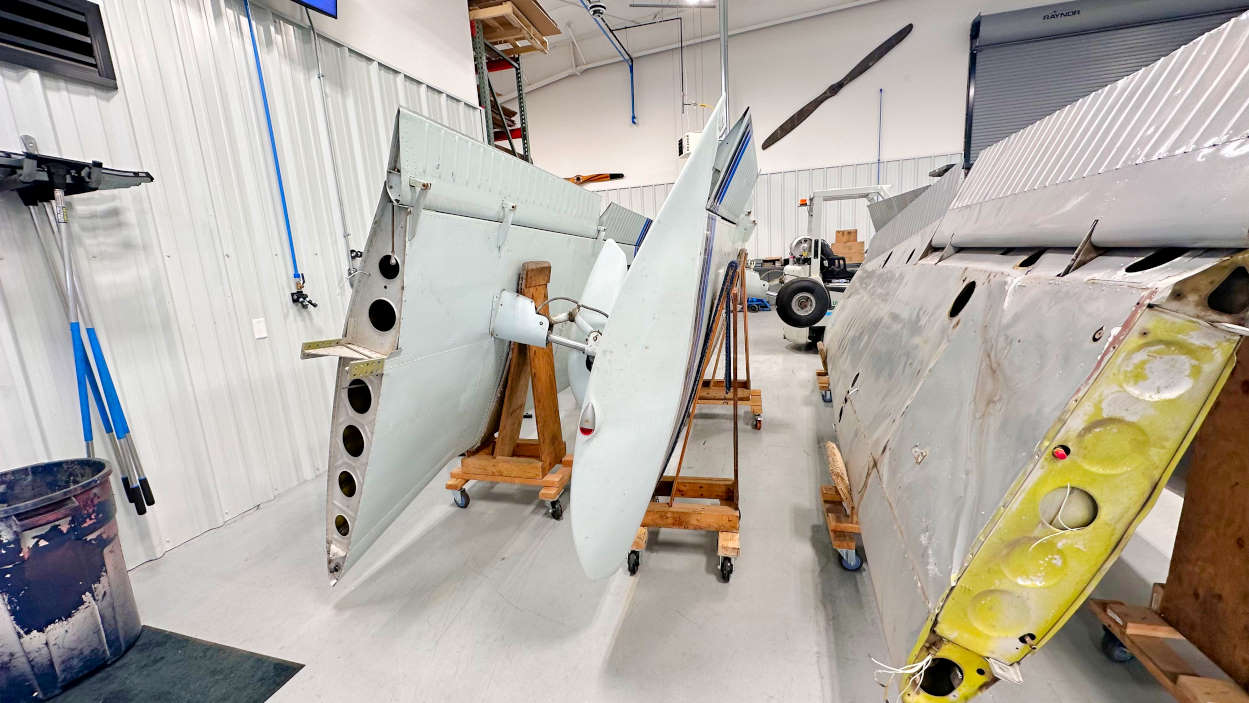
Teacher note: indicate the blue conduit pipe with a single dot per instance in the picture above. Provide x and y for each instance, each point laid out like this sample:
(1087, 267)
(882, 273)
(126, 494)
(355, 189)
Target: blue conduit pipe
(273, 145)
(633, 115)
(82, 373)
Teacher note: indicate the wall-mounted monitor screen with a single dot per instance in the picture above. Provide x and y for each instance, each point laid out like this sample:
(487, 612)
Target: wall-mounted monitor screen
(327, 7)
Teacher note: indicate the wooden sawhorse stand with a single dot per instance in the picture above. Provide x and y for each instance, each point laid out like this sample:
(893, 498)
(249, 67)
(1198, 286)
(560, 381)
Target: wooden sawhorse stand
(507, 458)
(723, 517)
(841, 514)
(712, 391)
(1204, 605)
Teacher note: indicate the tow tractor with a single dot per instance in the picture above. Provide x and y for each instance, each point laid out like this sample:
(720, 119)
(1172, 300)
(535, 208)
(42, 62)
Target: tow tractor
(815, 278)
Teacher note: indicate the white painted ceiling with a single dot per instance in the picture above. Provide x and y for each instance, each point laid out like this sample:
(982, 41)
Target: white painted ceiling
(593, 48)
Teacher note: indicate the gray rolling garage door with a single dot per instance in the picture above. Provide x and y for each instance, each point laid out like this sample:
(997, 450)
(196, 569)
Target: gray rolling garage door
(1026, 64)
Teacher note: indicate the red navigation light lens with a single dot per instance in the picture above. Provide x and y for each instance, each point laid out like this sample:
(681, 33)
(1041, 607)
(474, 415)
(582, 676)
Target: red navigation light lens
(586, 426)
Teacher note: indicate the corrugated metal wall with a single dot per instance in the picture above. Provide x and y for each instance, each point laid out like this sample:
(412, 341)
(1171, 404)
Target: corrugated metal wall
(776, 197)
(176, 271)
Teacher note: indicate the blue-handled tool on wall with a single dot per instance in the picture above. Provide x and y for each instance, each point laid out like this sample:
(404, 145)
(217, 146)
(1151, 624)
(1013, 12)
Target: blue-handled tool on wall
(45, 180)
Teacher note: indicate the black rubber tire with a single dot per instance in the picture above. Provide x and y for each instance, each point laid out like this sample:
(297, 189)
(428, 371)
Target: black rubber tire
(726, 568)
(460, 498)
(634, 561)
(802, 289)
(1114, 649)
(557, 509)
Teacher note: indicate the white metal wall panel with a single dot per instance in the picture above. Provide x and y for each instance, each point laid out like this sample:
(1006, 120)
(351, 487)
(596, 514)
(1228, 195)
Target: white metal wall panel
(775, 203)
(177, 270)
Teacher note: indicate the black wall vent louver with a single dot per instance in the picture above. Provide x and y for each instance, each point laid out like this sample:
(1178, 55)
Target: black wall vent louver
(64, 37)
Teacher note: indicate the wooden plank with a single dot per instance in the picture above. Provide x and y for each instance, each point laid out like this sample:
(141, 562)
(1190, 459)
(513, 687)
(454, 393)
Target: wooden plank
(466, 477)
(1153, 652)
(698, 487)
(692, 516)
(756, 402)
(486, 14)
(484, 465)
(456, 484)
(838, 521)
(821, 380)
(829, 495)
(1200, 689)
(532, 11)
(1156, 652)
(1140, 621)
(837, 470)
(639, 539)
(513, 402)
(729, 544)
(1207, 593)
(555, 482)
(840, 539)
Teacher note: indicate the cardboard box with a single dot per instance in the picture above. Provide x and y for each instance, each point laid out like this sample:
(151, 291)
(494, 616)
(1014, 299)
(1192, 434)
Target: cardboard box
(853, 251)
(846, 235)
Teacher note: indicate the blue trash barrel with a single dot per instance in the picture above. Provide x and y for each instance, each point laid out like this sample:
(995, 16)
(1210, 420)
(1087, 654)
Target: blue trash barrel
(65, 597)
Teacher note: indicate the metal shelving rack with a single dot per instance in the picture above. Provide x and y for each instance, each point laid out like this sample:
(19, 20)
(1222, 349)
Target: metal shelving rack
(489, 60)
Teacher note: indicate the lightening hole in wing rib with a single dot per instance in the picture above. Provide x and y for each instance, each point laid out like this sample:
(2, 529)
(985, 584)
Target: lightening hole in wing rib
(347, 483)
(341, 524)
(388, 266)
(941, 678)
(1068, 508)
(1155, 259)
(353, 440)
(960, 301)
(382, 315)
(1030, 260)
(1231, 297)
(359, 396)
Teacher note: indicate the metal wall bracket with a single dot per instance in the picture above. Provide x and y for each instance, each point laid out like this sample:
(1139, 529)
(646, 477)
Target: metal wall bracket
(505, 223)
(1085, 253)
(418, 204)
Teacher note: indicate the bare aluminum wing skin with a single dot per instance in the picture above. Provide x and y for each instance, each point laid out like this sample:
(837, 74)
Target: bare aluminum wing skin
(1015, 380)
(643, 375)
(419, 374)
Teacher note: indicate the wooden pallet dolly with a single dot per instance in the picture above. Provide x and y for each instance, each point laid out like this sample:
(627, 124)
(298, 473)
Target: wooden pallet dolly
(821, 376)
(724, 516)
(841, 514)
(1204, 605)
(503, 457)
(713, 392)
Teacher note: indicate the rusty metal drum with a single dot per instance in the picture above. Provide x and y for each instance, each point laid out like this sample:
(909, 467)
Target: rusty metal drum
(66, 607)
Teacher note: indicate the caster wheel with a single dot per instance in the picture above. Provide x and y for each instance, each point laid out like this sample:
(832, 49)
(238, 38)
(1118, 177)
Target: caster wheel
(758, 423)
(557, 509)
(1113, 648)
(635, 561)
(460, 498)
(826, 396)
(726, 568)
(850, 559)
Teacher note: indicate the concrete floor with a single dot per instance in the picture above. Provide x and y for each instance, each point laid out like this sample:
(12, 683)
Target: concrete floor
(489, 604)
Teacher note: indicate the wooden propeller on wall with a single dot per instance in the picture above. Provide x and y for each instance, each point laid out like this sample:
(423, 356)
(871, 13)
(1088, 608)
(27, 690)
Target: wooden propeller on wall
(594, 178)
(860, 68)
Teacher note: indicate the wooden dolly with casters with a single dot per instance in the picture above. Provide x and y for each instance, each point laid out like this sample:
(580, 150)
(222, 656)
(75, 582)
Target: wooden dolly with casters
(503, 457)
(821, 376)
(713, 391)
(1204, 605)
(841, 514)
(724, 516)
